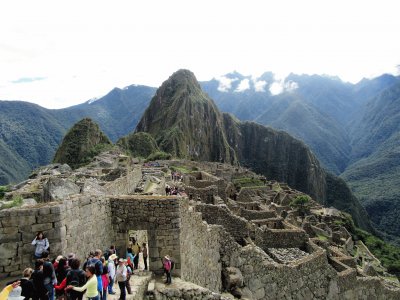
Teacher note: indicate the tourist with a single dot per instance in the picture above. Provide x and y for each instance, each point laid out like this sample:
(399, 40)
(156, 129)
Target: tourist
(49, 275)
(111, 272)
(167, 267)
(90, 286)
(75, 277)
(105, 280)
(61, 273)
(129, 251)
(88, 259)
(41, 244)
(136, 251)
(40, 292)
(8, 289)
(129, 269)
(70, 257)
(26, 284)
(145, 253)
(121, 276)
(96, 262)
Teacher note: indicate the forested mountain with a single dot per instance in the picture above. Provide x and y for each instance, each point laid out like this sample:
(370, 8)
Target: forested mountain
(186, 123)
(374, 175)
(352, 128)
(30, 134)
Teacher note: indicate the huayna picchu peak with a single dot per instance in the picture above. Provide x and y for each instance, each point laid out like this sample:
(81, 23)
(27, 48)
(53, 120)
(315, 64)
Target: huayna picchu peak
(186, 123)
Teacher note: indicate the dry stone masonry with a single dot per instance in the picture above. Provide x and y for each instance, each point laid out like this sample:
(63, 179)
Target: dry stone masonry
(225, 240)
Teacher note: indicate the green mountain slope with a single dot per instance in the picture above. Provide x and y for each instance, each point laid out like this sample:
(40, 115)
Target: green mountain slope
(327, 139)
(374, 176)
(186, 123)
(31, 135)
(81, 143)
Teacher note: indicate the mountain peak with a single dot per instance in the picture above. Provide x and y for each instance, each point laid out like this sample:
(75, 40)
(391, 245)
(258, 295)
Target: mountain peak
(82, 142)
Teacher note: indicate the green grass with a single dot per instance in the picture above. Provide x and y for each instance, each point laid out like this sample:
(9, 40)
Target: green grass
(183, 169)
(16, 202)
(3, 190)
(247, 182)
(159, 155)
(388, 254)
(322, 237)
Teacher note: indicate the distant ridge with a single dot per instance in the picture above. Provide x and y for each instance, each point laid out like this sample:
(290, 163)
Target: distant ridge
(186, 123)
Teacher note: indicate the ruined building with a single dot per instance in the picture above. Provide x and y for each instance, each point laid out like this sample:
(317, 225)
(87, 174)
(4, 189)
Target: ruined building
(229, 231)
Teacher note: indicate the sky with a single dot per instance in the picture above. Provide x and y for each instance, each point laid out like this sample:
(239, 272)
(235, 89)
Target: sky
(62, 53)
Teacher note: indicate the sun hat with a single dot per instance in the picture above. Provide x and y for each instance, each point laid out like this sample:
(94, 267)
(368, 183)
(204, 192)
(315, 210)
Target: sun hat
(113, 256)
(121, 260)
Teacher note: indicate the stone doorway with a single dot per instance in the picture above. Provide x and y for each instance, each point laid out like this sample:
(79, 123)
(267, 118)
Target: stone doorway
(139, 237)
(159, 216)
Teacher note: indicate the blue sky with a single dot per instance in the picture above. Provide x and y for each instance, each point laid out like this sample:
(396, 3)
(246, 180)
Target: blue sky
(60, 53)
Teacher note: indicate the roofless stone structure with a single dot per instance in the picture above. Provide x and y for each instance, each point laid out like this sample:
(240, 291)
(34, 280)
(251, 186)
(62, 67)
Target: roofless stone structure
(246, 241)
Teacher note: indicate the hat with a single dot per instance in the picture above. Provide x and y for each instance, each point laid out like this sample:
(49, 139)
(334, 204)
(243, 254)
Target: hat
(121, 260)
(71, 255)
(167, 257)
(15, 294)
(113, 257)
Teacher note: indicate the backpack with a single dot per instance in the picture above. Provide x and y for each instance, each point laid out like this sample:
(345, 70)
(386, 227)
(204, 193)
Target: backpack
(172, 264)
(73, 277)
(97, 265)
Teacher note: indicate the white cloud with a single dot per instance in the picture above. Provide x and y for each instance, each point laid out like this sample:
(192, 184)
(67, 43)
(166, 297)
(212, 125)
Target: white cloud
(225, 83)
(85, 48)
(281, 85)
(243, 85)
(276, 88)
(291, 85)
(259, 85)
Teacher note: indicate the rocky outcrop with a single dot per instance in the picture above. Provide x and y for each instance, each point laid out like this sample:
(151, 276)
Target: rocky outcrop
(82, 142)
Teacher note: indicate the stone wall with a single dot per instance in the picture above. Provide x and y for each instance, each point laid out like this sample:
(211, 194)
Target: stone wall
(159, 215)
(256, 214)
(127, 184)
(18, 227)
(87, 223)
(206, 195)
(79, 224)
(200, 250)
(237, 227)
(280, 238)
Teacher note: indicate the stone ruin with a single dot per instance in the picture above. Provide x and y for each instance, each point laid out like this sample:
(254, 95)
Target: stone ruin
(226, 242)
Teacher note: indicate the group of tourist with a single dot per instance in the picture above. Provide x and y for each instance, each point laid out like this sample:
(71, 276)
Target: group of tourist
(63, 278)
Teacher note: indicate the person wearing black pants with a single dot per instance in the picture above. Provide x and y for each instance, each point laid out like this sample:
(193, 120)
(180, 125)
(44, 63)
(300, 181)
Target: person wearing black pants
(121, 275)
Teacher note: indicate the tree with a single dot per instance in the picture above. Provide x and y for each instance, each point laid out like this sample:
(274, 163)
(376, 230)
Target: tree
(301, 203)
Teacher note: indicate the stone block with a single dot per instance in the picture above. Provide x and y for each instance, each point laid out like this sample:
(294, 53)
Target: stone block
(42, 227)
(21, 221)
(48, 218)
(9, 230)
(5, 262)
(8, 250)
(5, 238)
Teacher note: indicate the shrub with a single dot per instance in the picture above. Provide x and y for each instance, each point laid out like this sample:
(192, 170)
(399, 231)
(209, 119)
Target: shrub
(159, 155)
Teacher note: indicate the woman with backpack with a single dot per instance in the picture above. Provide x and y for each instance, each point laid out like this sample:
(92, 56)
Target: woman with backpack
(90, 286)
(75, 277)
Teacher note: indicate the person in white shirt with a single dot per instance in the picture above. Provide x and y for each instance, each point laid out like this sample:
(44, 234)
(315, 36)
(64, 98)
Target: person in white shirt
(111, 272)
(41, 244)
(121, 275)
